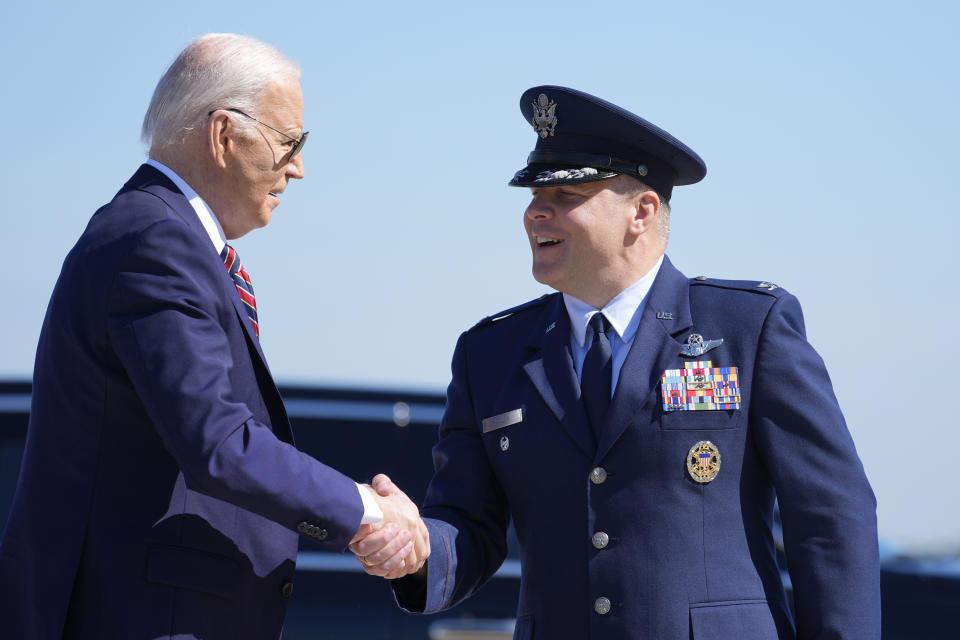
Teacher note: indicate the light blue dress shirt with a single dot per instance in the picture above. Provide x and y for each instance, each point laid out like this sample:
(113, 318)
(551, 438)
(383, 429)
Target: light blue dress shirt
(623, 313)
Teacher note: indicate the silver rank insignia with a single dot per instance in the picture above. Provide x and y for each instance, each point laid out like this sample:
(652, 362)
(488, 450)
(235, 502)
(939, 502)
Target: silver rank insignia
(703, 461)
(544, 118)
(697, 346)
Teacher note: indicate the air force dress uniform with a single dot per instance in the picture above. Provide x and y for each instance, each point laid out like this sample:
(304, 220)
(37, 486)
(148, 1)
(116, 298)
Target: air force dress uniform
(660, 526)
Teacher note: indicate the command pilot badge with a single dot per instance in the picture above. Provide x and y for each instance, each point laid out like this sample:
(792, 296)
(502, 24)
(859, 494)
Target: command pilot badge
(697, 346)
(544, 118)
(703, 461)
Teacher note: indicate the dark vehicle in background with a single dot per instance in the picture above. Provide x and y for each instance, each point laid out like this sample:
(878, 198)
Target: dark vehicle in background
(366, 432)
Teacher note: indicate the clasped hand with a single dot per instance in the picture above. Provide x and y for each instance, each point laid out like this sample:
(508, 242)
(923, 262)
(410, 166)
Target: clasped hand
(399, 544)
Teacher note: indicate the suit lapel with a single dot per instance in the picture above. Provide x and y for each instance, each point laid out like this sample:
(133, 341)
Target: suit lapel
(241, 310)
(654, 347)
(551, 371)
(150, 179)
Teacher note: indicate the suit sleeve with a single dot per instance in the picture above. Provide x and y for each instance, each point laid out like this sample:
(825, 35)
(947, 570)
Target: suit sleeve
(166, 315)
(465, 508)
(826, 504)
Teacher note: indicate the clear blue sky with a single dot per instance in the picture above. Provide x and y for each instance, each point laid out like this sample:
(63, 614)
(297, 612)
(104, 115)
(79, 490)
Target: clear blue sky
(829, 130)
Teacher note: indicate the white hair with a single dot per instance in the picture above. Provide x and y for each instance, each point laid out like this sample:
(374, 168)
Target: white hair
(214, 71)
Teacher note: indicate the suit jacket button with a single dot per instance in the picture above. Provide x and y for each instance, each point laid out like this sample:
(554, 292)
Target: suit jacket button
(600, 540)
(286, 589)
(598, 475)
(602, 606)
(303, 527)
(321, 534)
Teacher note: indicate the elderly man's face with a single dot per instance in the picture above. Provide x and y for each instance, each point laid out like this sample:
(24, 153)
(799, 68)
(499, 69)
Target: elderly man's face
(579, 235)
(261, 168)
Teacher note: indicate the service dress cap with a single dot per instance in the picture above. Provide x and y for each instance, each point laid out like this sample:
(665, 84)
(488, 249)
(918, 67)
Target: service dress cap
(582, 138)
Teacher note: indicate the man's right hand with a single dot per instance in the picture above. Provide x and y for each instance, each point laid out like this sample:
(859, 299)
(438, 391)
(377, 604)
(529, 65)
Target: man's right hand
(399, 544)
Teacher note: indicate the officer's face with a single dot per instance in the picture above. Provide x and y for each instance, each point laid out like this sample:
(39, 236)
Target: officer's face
(580, 236)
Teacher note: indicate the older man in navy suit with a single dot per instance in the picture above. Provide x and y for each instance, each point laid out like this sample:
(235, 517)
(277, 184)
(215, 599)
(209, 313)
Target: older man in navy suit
(161, 495)
(638, 425)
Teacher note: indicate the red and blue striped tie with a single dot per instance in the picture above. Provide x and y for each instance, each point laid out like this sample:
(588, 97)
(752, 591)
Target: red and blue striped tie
(242, 280)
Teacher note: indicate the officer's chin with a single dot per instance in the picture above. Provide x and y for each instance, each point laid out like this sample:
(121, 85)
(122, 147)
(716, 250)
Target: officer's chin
(543, 275)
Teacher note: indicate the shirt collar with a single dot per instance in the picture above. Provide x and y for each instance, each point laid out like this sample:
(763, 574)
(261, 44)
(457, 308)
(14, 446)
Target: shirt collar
(621, 312)
(209, 221)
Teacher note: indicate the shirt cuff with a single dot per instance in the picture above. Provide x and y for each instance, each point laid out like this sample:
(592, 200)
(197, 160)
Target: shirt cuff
(371, 510)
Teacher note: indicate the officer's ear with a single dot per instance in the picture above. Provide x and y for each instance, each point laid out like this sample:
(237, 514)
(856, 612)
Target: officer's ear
(646, 208)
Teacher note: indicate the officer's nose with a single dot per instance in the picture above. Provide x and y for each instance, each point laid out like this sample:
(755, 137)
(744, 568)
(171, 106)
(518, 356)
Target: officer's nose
(538, 209)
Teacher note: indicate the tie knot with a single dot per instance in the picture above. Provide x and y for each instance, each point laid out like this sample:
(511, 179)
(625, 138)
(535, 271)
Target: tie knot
(229, 257)
(599, 323)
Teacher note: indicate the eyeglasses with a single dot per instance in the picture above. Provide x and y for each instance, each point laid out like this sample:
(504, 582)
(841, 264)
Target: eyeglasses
(298, 143)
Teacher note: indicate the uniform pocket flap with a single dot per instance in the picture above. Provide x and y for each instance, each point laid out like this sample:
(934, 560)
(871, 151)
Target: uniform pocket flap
(502, 420)
(702, 420)
(741, 619)
(192, 569)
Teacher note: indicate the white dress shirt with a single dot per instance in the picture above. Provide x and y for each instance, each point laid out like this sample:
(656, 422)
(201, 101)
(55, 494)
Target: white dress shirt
(371, 510)
(623, 313)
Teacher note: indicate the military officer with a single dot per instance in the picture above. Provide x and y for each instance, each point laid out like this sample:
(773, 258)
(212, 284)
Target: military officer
(637, 425)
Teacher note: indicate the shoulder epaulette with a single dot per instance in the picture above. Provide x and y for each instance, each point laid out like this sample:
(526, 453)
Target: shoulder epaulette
(506, 313)
(755, 286)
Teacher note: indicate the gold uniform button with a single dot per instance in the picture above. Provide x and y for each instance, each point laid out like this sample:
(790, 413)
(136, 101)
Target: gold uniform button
(602, 606)
(600, 540)
(598, 475)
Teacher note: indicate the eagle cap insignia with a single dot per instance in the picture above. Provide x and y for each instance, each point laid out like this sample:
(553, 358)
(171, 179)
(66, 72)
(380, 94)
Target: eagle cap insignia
(697, 346)
(703, 462)
(544, 118)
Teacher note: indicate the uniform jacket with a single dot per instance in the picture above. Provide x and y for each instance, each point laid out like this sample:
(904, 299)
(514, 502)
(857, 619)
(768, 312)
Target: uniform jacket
(160, 491)
(680, 559)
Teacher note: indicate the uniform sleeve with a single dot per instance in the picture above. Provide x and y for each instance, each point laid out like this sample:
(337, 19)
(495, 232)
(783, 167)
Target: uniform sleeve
(465, 507)
(166, 311)
(827, 506)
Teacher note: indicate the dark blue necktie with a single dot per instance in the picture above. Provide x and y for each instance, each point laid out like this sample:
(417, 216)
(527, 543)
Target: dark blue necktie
(596, 375)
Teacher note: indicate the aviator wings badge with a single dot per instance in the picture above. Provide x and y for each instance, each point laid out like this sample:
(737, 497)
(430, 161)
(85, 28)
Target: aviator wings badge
(697, 346)
(544, 118)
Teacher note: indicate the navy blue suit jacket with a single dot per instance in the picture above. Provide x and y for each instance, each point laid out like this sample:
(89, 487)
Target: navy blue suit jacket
(681, 559)
(160, 490)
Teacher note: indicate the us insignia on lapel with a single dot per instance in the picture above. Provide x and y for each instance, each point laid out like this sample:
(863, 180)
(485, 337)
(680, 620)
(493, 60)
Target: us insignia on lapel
(700, 386)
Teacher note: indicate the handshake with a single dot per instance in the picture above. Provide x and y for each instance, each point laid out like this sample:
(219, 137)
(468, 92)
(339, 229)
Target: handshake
(399, 544)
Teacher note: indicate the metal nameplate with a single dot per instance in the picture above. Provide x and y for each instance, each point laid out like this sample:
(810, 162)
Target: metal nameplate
(502, 420)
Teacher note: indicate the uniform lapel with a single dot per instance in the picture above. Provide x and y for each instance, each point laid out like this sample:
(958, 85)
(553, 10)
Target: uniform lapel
(666, 314)
(551, 371)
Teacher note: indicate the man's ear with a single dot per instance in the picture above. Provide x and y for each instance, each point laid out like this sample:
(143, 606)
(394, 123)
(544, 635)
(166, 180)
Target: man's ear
(220, 134)
(646, 209)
